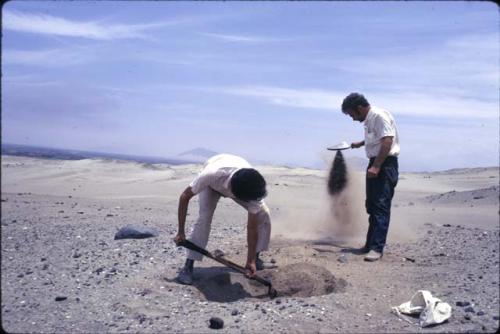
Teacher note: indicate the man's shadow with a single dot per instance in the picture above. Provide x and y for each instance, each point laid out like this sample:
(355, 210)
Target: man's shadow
(216, 286)
(337, 244)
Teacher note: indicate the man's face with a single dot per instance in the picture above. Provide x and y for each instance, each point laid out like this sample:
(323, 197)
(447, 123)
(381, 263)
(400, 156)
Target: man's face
(356, 115)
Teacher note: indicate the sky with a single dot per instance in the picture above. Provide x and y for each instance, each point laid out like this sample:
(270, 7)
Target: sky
(263, 80)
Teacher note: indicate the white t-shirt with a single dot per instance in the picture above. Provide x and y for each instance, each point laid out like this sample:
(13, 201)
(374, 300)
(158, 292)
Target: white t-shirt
(217, 173)
(379, 123)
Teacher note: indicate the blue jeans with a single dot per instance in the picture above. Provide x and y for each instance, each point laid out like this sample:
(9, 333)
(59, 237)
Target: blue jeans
(379, 193)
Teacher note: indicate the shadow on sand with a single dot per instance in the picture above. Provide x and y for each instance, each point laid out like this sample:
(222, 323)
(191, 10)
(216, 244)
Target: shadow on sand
(223, 285)
(337, 244)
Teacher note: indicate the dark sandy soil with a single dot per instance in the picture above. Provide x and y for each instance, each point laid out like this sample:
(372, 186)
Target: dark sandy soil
(63, 272)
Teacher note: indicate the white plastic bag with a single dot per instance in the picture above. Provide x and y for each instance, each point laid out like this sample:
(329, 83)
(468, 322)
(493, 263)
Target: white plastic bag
(431, 309)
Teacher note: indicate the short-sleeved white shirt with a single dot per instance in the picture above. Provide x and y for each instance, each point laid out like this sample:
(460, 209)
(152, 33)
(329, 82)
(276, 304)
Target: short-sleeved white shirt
(379, 123)
(216, 174)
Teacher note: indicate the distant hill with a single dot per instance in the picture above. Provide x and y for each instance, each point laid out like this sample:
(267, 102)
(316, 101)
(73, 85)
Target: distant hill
(64, 154)
(198, 154)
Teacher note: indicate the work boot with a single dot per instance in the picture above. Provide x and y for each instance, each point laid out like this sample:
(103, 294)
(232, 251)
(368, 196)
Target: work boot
(186, 274)
(373, 256)
(259, 264)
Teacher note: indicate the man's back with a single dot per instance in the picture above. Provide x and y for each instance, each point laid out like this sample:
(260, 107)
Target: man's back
(225, 160)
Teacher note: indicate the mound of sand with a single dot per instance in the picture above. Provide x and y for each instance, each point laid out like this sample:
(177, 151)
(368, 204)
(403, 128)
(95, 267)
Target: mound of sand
(479, 196)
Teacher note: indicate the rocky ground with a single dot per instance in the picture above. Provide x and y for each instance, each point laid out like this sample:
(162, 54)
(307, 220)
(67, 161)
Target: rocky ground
(63, 272)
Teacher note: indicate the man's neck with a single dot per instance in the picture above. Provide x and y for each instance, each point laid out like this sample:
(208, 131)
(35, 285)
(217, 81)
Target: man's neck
(366, 111)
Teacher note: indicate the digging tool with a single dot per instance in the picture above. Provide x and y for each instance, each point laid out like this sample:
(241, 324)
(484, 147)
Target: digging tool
(189, 245)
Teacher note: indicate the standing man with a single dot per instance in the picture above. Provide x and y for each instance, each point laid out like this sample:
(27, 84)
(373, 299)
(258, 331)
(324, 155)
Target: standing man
(382, 148)
(228, 176)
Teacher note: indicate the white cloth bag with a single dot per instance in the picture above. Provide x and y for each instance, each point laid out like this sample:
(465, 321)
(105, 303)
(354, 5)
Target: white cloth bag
(431, 309)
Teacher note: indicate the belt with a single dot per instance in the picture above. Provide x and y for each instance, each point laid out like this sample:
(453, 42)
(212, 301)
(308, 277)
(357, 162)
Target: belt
(390, 159)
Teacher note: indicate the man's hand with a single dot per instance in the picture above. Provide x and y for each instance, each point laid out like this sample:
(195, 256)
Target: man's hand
(357, 144)
(385, 148)
(251, 269)
(184, 199)
(372, 172)
(180, 237)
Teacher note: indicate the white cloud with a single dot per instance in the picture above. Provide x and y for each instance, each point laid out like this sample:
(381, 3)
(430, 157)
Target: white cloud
(307, 98)
(244, 39)
(469, 61)
(419, 104)
(47, 58)
(52, 25)
(422, 104)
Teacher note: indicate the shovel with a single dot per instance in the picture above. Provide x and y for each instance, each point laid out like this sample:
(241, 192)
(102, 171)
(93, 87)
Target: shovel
(189, 245)
(339, 147)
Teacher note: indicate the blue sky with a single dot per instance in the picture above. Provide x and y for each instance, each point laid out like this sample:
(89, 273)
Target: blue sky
(263, 80)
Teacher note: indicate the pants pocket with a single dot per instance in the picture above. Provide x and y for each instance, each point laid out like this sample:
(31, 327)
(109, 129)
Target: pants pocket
(392, 175)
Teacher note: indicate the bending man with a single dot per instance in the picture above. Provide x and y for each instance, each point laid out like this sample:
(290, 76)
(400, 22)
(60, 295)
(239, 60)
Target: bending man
(228, 176)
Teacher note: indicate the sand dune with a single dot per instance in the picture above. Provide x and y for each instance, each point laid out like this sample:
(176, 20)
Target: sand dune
(484, 196)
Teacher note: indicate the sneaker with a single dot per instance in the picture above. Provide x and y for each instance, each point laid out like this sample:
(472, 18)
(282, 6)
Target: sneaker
(185, 276)
(373, 256)
(356, 251)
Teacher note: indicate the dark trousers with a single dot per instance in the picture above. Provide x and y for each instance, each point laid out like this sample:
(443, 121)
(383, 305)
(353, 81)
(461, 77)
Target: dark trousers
(379, 193)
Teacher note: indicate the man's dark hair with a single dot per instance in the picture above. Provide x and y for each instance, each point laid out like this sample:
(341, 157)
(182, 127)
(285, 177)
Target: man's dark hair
(353, 100)
(247, 184)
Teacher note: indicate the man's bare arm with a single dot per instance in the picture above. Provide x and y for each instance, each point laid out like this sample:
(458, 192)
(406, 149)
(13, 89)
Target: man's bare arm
(385, 148)
(358, 144)
(186, 195)
(252, 236)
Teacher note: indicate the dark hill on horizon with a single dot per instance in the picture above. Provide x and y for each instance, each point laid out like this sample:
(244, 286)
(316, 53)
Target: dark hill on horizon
(65, 154)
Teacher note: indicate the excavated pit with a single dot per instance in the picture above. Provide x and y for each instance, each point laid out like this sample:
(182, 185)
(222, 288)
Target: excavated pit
(293, 280)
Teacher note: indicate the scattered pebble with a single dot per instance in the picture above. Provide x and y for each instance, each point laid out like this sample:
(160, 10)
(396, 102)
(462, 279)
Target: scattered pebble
(216, 323)
(135, 232)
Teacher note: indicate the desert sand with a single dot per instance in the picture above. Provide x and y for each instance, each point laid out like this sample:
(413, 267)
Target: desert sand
(59, 219)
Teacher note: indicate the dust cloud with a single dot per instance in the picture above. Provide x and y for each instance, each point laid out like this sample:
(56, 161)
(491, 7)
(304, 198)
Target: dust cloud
(340, 217)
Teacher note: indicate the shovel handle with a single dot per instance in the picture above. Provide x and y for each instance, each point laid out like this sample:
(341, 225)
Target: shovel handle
(189, 245)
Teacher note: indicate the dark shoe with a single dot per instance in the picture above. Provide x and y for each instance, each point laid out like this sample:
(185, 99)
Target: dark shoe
(185, 276)
(259, 264)
(373, 256)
